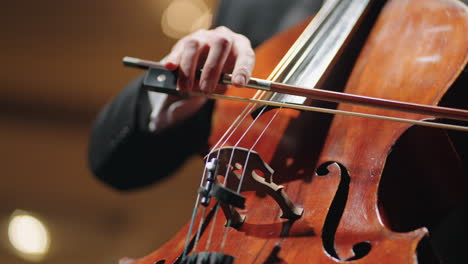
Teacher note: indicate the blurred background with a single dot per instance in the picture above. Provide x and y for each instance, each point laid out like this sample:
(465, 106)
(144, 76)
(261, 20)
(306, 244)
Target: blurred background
(61, 64)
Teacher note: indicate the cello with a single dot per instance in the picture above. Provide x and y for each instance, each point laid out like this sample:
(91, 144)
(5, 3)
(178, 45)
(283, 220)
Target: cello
(349, 185)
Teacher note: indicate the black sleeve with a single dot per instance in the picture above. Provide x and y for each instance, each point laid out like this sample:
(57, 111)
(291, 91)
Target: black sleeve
(125, 155)
(242, 16)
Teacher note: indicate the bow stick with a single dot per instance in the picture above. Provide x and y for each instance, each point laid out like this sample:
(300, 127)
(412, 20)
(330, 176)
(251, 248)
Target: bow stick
(330, 96)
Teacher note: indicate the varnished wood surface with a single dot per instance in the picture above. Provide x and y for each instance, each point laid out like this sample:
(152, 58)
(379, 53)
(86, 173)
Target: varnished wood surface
(421, 63)
(418, 46)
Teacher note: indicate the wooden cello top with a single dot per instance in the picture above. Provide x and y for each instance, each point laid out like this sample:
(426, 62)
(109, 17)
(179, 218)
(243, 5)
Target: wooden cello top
(333, 168)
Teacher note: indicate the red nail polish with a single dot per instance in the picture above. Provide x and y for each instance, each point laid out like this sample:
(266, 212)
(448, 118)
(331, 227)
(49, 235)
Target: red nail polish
(170, 66)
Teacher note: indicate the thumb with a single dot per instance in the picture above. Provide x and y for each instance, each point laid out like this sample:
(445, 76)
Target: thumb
(184, 108)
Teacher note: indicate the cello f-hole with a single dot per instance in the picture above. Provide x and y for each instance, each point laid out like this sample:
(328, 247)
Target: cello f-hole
(335, 213)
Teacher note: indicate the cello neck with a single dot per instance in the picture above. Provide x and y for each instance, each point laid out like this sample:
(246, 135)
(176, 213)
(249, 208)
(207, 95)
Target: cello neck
(314, 53)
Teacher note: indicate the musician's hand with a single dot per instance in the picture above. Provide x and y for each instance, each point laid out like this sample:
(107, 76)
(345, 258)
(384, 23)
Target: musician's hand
(215, 51)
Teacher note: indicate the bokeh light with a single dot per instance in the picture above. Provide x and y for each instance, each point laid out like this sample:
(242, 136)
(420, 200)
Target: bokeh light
(29, 236)
(182, 17)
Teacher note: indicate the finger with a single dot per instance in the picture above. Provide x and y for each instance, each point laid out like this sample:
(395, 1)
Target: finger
(188, 63)
(182, 109)
(172, 61)
(220, 47)
(245, 61)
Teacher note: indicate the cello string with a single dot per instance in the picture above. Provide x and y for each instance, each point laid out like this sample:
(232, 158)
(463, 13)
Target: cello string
(226, 175)
(197, 202)
(208, 242)
(274, 75)
(298, 44)
(244, 115)
(244, 168)
(287, 59)
(238, 142)
(234, 130)
(292, 52)
(342, 112)
(279, 68)
(192, 222)
(203, 178)
(197, 236)
(302, 40)
(240, 118)
(223, 241)
(236, 123)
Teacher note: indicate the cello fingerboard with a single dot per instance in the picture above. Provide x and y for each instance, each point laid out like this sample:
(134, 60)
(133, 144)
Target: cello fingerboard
(315, 51)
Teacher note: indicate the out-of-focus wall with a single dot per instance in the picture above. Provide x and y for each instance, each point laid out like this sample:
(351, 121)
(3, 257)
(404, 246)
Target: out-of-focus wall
(61, 62)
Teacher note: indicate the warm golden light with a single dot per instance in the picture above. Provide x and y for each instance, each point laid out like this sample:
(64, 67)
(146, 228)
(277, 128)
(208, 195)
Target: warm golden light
(29, 236)
(182, 17)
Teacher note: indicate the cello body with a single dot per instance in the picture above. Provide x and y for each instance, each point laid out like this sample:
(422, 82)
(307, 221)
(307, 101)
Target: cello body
(363, 202)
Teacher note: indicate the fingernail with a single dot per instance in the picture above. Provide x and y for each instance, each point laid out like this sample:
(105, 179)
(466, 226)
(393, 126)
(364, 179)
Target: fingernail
(170, 66)
(239, 80)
